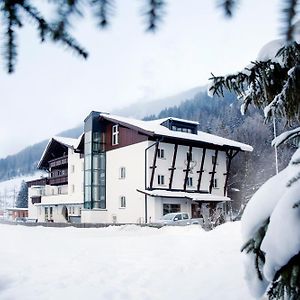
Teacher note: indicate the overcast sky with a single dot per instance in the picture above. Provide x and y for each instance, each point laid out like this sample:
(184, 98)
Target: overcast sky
(53, 90)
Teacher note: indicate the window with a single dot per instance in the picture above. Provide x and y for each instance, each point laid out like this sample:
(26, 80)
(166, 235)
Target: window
(160, 153)
(72, 169)
(73, 188)
(189, 156)
(122, 173)
(59, 190)
(161, 179)
(115, 135)
(122, 202)
(189, 181)
(213, 160)
(215, 183)
(51, 212)
(170, 208)
(46, 213)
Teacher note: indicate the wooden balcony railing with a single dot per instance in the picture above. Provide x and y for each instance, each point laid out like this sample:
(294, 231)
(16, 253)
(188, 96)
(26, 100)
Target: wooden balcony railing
(58, 180)
(38, 182)
(60, 161)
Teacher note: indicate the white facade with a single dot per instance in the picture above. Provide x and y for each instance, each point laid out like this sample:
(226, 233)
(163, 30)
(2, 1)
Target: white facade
(59, 203)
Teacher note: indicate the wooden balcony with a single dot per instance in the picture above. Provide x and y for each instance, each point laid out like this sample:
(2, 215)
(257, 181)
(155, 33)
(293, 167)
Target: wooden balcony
(58, 180)
(36, 199)
(38, 182)
(58, 162)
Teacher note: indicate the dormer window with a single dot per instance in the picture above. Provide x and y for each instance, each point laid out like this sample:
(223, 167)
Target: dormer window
(181, 125)
(115, 135)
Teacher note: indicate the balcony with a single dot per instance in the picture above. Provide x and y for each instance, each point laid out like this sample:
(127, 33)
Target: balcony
(36, 199)
(57, 162)
(38, 182)
(58, 180)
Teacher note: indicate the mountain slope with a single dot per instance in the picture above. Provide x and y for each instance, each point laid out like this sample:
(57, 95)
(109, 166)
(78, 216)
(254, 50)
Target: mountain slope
(25, 161)
(140, 109)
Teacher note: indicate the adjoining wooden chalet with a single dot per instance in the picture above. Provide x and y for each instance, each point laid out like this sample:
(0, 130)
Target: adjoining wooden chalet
(123, 170)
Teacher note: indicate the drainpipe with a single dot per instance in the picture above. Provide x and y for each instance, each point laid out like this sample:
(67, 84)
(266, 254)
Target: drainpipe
(146, 171)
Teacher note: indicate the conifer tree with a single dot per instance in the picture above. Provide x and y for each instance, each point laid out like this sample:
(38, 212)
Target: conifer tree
(22, 198)
(273, 84)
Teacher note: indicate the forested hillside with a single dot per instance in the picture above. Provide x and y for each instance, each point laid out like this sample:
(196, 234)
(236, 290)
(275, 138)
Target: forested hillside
(222, 116)
(25, 161)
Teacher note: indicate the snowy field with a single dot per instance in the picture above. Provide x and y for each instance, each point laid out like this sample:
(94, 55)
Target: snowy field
(127, 262)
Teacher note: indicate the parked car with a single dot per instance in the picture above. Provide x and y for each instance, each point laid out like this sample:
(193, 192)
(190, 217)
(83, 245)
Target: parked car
(179, 218)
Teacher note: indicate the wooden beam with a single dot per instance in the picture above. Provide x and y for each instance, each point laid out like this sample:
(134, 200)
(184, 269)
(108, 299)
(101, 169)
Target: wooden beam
(187, 168)
(213, 172)
(201, 169)
(153, 167)
(172, 169)
(230, 155)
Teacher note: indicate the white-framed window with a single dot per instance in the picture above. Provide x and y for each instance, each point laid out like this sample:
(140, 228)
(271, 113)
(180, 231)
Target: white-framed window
(59, 190)
(160, 179)
(122, 202)
(72, 168)
(122, 174)
(115, 135)
(189, 181)
(215, 183)
(160, 153)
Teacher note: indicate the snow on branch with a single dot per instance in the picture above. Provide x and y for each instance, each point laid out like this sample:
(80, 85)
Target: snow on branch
(287, 135)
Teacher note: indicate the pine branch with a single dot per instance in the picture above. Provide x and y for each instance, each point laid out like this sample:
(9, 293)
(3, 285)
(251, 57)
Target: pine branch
(103, 9)
(154, 13)
(228, 6)
(289, 13)
(253, 245)
(12, 21)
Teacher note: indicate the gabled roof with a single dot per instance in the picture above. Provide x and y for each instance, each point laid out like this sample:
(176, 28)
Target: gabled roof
(57, 140)
(155, 127)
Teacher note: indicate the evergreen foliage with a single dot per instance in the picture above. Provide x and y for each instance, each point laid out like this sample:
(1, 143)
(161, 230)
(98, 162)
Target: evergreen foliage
(22, 198)
(274, 85)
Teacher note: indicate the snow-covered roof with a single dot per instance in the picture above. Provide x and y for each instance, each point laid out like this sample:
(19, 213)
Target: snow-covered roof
(192, 196)
(155, 127)
(68, 142)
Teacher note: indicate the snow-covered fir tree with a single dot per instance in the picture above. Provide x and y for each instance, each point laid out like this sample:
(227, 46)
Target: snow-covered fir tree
(271, 221)
(22, 198)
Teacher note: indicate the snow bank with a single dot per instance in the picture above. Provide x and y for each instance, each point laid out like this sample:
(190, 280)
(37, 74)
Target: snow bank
(127, 262)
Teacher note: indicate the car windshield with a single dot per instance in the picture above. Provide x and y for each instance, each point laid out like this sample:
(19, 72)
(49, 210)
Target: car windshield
(169, 216)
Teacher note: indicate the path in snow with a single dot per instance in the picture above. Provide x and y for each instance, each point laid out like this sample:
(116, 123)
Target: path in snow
(127, 262)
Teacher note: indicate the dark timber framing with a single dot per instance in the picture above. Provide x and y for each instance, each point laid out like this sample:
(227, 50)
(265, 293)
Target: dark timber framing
(230, 155)
(201, 169)
(213, 172)
(153, 167)
(172, 169)
(187, 167)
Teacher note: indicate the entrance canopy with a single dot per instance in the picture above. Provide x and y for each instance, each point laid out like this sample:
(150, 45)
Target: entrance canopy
(191, 196)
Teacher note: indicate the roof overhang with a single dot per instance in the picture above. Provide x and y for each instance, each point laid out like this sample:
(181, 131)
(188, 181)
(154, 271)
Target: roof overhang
(203, 197)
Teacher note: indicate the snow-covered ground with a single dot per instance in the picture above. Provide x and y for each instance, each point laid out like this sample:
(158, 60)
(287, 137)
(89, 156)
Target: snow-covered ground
(127, 262)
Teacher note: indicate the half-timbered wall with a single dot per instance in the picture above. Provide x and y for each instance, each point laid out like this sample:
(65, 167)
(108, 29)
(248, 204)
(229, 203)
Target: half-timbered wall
(183, 169)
